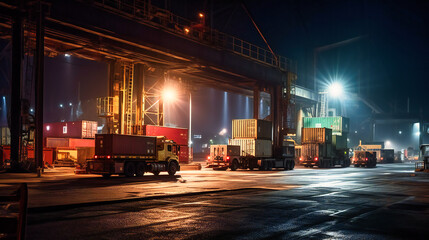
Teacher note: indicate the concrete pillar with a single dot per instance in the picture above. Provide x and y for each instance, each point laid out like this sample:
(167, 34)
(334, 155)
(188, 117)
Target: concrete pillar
(256, 99)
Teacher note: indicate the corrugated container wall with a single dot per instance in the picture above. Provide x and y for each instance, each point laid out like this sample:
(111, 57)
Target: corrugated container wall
(115, 144)
(178, 135)
(184, 154)
(251, 128)
(339, 125)
(339, 142)
(253, 147)
(316, 135)
(76, 129)
(69, 142)
(4, 136)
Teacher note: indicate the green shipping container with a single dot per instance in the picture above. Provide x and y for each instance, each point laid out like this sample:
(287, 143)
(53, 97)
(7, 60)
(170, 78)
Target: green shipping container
(339, 142)
(339, 125)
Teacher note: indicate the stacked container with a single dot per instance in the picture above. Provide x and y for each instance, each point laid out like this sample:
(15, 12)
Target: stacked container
(253, 136)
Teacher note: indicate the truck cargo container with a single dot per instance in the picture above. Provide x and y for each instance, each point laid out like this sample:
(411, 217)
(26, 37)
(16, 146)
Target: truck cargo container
(133, 155)
(178, 135)
(184, 154)
(319, 150)
(385, 155)
(76, 129)
(339, 125)
(248, 149)
(252, 129)
(78, 155)
(364, 159)
(69, 142)
(316, 135)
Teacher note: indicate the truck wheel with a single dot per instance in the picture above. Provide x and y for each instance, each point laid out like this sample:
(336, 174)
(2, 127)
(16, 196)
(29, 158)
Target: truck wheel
(172, 168)
(106, 175)
(291, 165)
(129, 169)
(156, 173)
(140, 169)
(234, 165)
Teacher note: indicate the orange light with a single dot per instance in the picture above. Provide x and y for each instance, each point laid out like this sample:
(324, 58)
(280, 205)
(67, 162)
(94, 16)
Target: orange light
(300, 159)
(201, 15)
(95, 156)
(187, 30)
(208, 158)
(316, 159)
(227, 157)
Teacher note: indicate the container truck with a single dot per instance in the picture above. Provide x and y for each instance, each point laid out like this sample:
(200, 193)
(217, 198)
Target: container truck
(322, 149)
(251, 148)
(364, 159)
(133, 155)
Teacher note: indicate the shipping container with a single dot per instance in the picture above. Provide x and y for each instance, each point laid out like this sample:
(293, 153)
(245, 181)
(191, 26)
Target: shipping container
(48, 154)
(224, 150)
(4, 136)
(78, 155)
(251, 129)
(69, 142)
(316, 135)
(178, 135)
(339, 125)
(125, 145)
(76, 129)
(339, 142)
(253, 147)
(184, 154)
(319, 150)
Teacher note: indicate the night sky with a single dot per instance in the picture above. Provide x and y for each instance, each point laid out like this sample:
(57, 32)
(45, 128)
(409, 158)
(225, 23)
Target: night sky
(387, 64)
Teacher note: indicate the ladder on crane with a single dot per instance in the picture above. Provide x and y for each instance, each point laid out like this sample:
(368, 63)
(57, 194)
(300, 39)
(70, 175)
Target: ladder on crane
(128, 69)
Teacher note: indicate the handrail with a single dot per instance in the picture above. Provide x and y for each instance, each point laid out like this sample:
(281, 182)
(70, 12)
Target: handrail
(142, 10)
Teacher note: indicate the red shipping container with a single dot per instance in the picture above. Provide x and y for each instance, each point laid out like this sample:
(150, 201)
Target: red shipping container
(178, 135)
(76, 129)
(69, 142)
(184, 154)
(48, 154)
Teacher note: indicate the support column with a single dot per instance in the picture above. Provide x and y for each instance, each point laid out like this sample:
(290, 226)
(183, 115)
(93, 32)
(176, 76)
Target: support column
(256, 99)
(17, 54)
(39, 74)
(276, 116)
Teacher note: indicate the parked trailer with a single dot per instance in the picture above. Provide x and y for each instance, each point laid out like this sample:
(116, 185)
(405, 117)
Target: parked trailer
(364, 159)
(251, 154)
(133, 155)
(320, 148)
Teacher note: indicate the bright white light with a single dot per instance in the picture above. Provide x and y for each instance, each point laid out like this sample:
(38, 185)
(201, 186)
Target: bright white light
(48, 128)
(355, 131)
(31, 110)
(169, 94)
(223, 132)
(67, 55)
(61, 105)
(388, 143)
(417, 133)
(70, 104)
(335, 89)
(400, 132)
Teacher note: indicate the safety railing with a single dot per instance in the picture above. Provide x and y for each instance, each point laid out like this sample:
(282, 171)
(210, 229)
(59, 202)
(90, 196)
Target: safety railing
(107, 106)
(142, 10)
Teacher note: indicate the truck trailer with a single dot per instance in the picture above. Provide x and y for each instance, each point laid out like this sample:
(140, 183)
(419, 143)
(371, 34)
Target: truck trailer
(133, 155)
(364, 159)
(322, 149)
(251, 147)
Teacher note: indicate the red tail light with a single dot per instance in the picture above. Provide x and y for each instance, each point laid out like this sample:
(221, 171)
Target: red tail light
(366, 159)
(227, 157)
(108, 157)
(316, 159)
(95, 156)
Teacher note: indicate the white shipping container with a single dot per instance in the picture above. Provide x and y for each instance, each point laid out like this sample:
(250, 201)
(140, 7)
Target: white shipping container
(253, 147)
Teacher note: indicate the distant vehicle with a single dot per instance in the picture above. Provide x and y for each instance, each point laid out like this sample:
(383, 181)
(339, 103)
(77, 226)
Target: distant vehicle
(233, 157)
(251, 147)
(364, 159)
(423, 165)
(322, 149)
(133, 155)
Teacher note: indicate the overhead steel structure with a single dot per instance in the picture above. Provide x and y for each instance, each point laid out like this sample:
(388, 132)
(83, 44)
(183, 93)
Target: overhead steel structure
(134, 34)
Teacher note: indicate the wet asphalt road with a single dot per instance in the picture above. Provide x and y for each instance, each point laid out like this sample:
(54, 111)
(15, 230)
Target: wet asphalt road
(388, 202)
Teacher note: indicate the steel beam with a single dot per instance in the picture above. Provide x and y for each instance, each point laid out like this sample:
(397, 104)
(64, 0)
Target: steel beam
(256, 98)
(17, 54)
